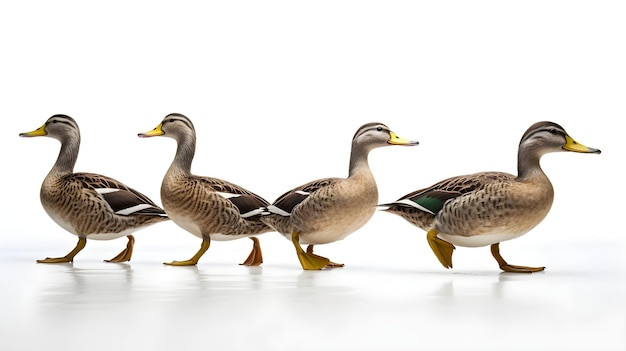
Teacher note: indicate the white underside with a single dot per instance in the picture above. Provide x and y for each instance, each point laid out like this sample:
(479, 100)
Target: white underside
(477, 240)
(187, 225)
(110, 236)
(319, 238)
(222, 237)
(65, 225)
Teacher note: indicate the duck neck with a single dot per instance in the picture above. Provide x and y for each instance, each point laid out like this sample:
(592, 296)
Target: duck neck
(184, 155)
(528, 166)
(359, 164)
(67, 157)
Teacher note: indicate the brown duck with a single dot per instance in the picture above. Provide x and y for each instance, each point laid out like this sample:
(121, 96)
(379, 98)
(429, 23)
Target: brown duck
(209, 208)
(90, 206)
(327, 210)
(487, 208)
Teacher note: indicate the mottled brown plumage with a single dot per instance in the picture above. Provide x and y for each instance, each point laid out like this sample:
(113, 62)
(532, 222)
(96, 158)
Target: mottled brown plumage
(90, 206)
(78, 201)
(487, 208)
(327, 210)
(209, 208)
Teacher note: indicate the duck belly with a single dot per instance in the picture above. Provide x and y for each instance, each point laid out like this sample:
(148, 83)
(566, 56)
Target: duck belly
(228, 237)
(478, 240)
(110, 236)
(187, 224)
(328, 230)
(67, 225)
(322, 237)
(488, 232)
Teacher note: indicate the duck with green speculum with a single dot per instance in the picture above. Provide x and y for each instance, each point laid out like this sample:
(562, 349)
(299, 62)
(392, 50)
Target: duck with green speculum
(487, 208)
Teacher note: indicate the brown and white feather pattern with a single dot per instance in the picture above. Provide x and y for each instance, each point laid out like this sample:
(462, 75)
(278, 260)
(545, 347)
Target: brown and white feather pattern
(499, 206)
(89, 205)
(444, 191)
(486, 208)
(204, 206)
(96, 206)
(209, 206)
(488, 203)
(327, 210)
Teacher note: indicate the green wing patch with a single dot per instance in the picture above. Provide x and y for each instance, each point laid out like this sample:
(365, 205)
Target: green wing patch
(433, 200)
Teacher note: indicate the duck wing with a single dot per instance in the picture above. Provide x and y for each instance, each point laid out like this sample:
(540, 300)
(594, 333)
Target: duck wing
(285, 204)
(122, 199)
(248, 203)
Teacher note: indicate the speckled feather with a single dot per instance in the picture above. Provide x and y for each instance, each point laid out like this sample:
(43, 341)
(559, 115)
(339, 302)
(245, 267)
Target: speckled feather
(197, 199)
(205, 206)
(329, 209)
(74, 199)
(485, 208)
(334, 208)
(294, 197)
(87, 204)
(480, 203)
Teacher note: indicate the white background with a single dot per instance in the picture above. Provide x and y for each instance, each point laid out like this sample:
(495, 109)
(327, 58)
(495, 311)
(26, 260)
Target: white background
(276, 90)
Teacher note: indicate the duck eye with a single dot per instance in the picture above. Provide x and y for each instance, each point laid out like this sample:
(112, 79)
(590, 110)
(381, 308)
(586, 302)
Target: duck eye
(379, 129)
(54, 121)
(171, 120)
(552, 131)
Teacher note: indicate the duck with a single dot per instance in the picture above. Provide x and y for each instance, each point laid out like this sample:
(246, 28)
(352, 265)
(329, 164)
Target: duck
(486, 208)
(327, 210)
(88, 205)
(209, 208)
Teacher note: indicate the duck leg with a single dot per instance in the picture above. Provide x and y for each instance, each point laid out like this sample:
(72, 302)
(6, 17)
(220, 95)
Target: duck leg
(70, 256)
(194, 260)
(441, 248)
(495, 251)
(309, 250)
(125, 255)
(308, 261)
(256, 256)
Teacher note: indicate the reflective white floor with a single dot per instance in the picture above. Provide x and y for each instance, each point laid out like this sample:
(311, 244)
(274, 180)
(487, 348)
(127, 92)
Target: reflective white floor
(577, 305)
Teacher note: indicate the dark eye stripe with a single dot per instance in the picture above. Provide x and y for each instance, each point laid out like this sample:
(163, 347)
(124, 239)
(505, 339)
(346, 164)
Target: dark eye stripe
(549, 130)
(172, 117)
(63, 119)
(370, 127)
(65, 122)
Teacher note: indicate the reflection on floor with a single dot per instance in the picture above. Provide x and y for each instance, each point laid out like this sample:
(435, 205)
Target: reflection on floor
(98, 306)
